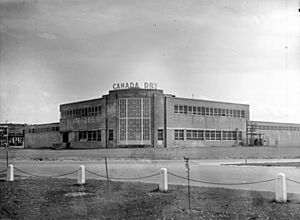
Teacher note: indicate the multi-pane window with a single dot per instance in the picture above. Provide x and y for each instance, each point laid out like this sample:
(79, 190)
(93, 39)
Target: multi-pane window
(41, 130)
(210, 135)
(134, 120)
(179, 134)
(88, 135)
(160, 134)
(194, 135)
(208, 111)
(81, 112)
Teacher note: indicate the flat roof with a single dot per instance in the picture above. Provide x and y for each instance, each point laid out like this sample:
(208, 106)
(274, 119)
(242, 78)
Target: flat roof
(204, 100)
(277, 123)
(44, 124)
(81, 102)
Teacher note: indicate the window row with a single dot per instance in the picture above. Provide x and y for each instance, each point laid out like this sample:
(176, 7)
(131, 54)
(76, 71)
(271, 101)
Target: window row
(207, 135)
(280, 128)
(88, 111)
(207, 111)
(94, 135)
(41, 130)
(88, 135)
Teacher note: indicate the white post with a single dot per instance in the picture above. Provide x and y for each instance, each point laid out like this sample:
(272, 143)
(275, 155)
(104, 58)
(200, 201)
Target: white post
(280, 188)
(163, 182)
(81, 175)
(10, 173)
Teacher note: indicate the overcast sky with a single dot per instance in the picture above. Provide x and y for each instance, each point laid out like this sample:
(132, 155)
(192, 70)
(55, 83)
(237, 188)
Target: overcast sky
(54, 52)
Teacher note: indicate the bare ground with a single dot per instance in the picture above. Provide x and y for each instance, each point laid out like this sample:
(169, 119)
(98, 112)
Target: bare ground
(62, 199)
(155, 153)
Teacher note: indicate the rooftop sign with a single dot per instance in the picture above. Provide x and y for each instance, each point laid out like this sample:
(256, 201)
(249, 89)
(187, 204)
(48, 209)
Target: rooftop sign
(134, 85)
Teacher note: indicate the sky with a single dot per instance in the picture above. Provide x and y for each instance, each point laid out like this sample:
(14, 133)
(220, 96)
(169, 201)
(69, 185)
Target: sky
(60, 51)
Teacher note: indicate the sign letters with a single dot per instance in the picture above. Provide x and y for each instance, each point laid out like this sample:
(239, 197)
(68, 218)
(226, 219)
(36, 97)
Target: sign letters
(134, 85)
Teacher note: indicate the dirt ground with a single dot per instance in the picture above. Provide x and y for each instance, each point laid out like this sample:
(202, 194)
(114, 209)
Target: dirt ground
(62, 199)
(154, 153)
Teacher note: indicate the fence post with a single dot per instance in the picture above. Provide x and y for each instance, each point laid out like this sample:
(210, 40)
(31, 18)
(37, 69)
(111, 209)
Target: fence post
(81, 175)
(10, 173)
(280, 188)
(163, 182)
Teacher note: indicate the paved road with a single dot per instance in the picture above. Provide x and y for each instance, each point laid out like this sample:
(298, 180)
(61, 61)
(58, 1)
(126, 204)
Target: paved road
(204, 170)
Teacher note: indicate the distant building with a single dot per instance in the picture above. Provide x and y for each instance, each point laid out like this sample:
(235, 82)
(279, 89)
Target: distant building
(15, 135)
(42, 136)
(273, 134)
(130, 116)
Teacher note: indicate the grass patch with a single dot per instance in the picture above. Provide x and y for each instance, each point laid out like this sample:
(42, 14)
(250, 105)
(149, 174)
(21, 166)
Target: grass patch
(62, 199)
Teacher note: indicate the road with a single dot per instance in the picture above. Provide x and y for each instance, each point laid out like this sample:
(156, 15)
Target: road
(204, 170)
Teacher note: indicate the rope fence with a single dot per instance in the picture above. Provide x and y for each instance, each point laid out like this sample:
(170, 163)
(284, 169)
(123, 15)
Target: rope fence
(219, 183)
(280, 180)
(294, 181)
(153, 175)
(134, 178)
(3, 171)
(94, 173)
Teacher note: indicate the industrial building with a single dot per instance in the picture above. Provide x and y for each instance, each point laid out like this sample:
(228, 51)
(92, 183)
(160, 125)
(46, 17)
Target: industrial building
(131, 116)
(12, 135)
(42, 136)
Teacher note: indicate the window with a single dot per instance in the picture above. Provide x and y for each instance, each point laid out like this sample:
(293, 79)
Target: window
(194, 110)
(89, 135)
(207, 135)
(202, 110)
(185, 109)
(199, 111)
(243, 114)
(215, 112)
(223, 112)
(110, 135)
(160, 134)
(181, 109)
(219, 112)
(176, 109)
(179, 135)
(190, 110)
(99, 135)
(240, 135)
(211, 111)
(213, 135)
(189, 134)
(206, 111)
(218, 135)
(94, 135)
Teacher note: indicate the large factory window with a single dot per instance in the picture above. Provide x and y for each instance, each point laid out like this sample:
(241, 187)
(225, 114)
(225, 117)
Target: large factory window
(134, 120)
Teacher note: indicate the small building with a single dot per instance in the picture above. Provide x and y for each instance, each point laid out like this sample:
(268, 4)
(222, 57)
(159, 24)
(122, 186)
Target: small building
(15, 136)
(42, 136)
(273, 133)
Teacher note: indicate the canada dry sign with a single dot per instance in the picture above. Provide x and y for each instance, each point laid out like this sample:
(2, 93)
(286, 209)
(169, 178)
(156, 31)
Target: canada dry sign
(136, 85)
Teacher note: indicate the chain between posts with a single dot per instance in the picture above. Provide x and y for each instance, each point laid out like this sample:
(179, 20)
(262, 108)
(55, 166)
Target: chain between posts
(220, 183)
(3, 171)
